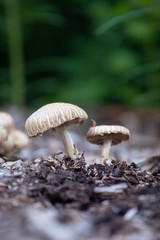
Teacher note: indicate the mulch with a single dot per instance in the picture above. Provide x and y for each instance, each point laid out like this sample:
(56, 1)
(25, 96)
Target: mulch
(67, 184)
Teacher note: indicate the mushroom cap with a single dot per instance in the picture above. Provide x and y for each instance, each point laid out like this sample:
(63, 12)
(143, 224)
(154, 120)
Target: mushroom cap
(53, 115)
(3, 134)
(98, 134)
(6, 121)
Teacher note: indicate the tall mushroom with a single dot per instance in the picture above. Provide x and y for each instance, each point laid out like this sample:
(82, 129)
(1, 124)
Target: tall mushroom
(106, 136)
(57, 116)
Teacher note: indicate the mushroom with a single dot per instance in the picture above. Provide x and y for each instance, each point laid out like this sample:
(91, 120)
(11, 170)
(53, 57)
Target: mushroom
(6, 121)
(57, 116)
(106, 136)
(20, 139)
(16, 139)
(3, 134)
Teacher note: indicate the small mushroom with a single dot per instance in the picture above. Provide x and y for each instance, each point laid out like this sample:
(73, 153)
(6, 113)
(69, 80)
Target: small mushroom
(57, 116)
(6, 121)
(16, 139)
(106, 136)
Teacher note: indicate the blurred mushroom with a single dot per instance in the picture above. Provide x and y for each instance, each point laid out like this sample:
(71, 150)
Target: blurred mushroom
(20, 139)
(8, 145)
(3, 134)
(16, 139)
(106, 136)
(57, 116)
(6, 121)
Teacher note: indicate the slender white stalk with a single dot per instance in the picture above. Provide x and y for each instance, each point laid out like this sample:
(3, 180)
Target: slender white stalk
(66, 138)
(105, 151)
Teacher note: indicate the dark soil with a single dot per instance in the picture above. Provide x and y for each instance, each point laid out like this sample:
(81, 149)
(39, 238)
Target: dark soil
(70, 185)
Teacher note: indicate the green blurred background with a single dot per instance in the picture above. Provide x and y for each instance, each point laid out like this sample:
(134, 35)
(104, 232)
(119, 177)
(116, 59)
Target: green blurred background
(84, 52)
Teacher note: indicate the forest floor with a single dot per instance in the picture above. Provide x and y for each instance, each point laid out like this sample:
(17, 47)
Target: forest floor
(44, 195)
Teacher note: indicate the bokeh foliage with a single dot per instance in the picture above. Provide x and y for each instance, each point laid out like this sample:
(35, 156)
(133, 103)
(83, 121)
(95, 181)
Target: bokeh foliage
(84, 52)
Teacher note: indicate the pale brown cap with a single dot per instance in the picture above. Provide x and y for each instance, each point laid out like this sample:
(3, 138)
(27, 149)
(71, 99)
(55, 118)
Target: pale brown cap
(98, 134)
(53, 115)
(3, 134)
(6, 121)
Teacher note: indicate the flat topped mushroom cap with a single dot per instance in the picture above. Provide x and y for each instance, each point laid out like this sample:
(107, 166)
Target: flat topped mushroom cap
(98, 134)
(53, 115)
(6, 121)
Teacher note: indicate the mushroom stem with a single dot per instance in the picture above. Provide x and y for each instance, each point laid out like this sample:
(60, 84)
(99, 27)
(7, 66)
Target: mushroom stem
(66, 138)
(105, 151)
